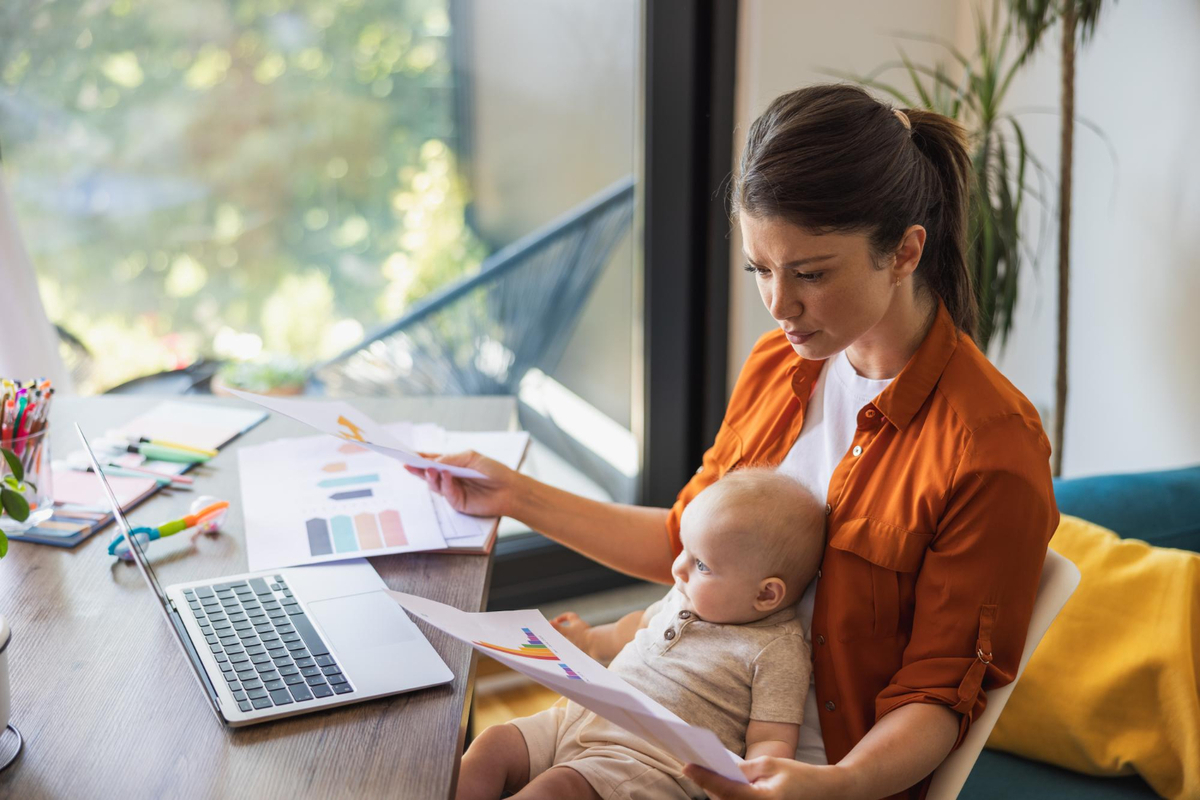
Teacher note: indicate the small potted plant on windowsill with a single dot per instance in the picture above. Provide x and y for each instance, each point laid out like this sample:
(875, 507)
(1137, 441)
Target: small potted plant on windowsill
(279, 376)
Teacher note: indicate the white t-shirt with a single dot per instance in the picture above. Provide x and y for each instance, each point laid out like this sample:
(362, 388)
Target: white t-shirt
(829, 425)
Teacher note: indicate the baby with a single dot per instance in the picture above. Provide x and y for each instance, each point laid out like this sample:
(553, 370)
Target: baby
(723, 650)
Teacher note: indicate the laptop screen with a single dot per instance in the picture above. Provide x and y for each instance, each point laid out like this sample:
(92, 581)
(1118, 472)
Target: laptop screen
(139, 555)
(135, 546)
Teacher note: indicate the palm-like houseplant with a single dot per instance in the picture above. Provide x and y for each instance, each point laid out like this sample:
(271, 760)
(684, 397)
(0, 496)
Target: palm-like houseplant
(997, 247)
(1078, 17)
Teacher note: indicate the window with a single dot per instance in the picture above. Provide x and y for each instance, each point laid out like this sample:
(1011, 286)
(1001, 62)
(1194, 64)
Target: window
(230, 178)
(444, 196)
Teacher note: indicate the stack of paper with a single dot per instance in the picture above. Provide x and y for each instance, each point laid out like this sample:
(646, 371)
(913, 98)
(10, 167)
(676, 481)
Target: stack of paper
(327, 498)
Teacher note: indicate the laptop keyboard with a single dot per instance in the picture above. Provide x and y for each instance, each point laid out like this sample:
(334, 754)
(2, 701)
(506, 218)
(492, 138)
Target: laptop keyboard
(268, 650)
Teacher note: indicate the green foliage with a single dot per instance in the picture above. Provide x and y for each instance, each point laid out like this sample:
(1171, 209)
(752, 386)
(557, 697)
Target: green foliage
(997, 245)
(12, 497)
(1032, 18)
(264, 375)
(230, 177)
(14, 464)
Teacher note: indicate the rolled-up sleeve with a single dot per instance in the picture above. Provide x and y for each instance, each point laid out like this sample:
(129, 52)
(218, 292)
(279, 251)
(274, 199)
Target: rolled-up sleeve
(978, 582)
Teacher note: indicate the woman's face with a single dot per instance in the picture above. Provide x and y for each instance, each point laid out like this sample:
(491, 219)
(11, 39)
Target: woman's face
(824, 290)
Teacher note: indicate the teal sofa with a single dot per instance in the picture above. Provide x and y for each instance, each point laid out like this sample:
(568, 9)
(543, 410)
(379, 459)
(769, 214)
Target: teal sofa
(1162, 508)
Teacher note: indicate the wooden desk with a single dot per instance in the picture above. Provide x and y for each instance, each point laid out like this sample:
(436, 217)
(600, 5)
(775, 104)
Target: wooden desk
(108, 705)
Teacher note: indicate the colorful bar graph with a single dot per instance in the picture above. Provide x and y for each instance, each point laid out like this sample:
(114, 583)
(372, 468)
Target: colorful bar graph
(368, 531)
(343, 534)
(533, 648)
(348, 481)
(393, 531)
(318, 537)
(337, 466)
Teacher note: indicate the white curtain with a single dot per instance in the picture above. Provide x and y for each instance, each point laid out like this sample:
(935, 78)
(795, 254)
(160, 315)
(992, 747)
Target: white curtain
(28, 342)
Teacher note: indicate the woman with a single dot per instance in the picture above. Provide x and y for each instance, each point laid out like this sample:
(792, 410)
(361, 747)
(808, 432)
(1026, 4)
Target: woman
(872, 393)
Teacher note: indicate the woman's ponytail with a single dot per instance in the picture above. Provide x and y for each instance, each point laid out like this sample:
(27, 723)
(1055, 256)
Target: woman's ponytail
(944, 143)
(832, 158)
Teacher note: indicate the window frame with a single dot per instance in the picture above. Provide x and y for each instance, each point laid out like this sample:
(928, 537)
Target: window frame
(688, 75)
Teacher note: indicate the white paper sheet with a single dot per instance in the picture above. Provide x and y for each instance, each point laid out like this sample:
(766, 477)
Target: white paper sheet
(197, 424)
(317, 499)
(526, 642)
(339, 418)
(507, 447)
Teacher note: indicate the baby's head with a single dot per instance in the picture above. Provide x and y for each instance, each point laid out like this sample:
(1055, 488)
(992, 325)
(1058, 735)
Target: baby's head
(751, 543)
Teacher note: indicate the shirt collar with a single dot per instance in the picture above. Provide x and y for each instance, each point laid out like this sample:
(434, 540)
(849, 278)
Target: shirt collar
(912, 387)
(901, 400)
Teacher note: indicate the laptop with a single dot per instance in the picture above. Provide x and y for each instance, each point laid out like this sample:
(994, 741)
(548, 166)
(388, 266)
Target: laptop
(267, 645)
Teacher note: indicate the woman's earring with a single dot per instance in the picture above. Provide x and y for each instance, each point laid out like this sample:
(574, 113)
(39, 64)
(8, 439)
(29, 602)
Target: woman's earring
(898, 281)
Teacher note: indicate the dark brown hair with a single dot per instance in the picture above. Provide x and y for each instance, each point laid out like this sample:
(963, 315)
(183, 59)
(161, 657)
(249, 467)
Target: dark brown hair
(832, 158)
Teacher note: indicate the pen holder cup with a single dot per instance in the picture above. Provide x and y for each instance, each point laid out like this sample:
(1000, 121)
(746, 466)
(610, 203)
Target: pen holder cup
(36, 485)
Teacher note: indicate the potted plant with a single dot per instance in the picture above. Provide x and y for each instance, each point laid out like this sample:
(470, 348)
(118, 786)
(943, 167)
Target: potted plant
(997, 246)
(279, 376)
(13, 488)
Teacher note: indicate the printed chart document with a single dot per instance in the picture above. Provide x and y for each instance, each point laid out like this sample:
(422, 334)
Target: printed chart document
(526, 642)
(339, 418)
(315, 499)
(319, 498)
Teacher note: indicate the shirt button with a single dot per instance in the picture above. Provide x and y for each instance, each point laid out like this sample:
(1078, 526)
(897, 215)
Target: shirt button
(828, 509)
(820, 639)
(685, 615)
(818, 573)
(669, 634)
(829, 705)
(870, 412)
(857, 450)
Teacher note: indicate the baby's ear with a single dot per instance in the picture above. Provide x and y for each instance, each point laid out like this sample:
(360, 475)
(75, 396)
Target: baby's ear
(771, 592)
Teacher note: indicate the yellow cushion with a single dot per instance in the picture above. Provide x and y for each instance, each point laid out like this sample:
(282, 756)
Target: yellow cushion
(1113, 687)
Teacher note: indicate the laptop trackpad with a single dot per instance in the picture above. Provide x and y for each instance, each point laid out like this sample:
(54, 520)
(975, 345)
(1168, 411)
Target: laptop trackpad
(362, 621)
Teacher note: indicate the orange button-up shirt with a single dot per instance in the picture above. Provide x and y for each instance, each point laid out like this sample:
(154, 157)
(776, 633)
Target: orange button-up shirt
(936, 533)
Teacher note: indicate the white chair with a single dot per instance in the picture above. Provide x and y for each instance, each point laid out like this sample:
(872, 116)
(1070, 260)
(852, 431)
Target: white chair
(1059, 579)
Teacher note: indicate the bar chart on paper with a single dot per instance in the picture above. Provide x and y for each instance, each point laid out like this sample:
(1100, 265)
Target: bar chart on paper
(317, 499)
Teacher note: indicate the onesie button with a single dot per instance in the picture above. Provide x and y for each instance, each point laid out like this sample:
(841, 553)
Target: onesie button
(685, 615)
(829, 706)
(669, 634)
(828, 509)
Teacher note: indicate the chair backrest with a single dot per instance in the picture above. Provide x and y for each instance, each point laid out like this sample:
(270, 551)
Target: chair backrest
(483, 334)
(1059, 579)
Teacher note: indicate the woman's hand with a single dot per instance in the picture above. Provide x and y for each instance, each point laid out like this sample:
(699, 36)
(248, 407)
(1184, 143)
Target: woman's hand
(490, 496)
(578, 632)
(774, 779)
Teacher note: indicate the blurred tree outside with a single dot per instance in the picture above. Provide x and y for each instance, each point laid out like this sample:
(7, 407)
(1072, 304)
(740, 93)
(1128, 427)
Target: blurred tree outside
(222, 178)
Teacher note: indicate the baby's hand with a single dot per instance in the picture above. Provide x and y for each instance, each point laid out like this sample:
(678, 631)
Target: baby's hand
(578, 632)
